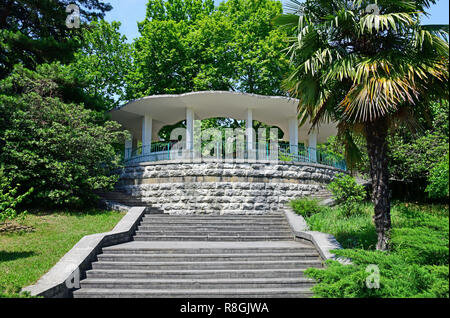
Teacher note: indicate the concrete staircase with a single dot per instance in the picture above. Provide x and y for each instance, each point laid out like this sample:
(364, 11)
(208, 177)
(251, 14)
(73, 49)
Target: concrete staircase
(122, 198)
(204, 257)
(214, 228)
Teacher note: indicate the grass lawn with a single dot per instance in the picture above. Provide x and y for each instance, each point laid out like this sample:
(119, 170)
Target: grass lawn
(28, 253)
(417, 264)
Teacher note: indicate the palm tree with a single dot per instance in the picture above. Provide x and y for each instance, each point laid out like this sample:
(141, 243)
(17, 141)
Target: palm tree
(367, 67)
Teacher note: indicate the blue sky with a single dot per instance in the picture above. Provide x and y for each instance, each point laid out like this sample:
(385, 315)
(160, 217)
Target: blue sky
(129, 12)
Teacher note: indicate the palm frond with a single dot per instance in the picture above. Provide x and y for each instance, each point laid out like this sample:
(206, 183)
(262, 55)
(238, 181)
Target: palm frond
(343, 68)
(374, 23)
(378, 97)
(286, 20)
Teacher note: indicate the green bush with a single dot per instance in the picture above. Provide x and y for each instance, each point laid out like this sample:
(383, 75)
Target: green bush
(62, 150)
(306, 207)
(398, 278)
(9, 199)
(420, 237)
(416, 266)
(438, 187)
(348, 194)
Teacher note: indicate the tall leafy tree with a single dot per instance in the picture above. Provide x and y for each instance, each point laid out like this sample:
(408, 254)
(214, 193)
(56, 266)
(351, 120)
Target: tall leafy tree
(191, 45)
(366, 67)
(34, 31)
(258, 63)
(103, 62)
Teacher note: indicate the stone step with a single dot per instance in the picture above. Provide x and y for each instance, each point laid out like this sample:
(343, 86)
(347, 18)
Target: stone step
(261, 217)
(189, 274)
(218, 250)
(213, 233)
(195, 293)
(207, 257)
(213, 222)
(212, 238)
(235, 265)
(229, 222)
(218, 283)
(207, 227)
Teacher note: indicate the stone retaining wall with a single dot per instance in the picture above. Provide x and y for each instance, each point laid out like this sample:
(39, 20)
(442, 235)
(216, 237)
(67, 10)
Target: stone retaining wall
(185, 187)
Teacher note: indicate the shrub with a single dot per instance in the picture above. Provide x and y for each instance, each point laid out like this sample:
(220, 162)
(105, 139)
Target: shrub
(62, 150)
(348, 194)
(417, 265)
(306, 207)
(9, 199)
(398, 278)
(420, 237)
(438, 187)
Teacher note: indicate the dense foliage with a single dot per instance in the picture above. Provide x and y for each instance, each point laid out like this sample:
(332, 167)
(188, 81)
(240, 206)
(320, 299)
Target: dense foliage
(191, 45)
(416, 266)
(35, 31)
(59, 148)
(439, 179)
(348, 194)
(413, 155)
(103, 62)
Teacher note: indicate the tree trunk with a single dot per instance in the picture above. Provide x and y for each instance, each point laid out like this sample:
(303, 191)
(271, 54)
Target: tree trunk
(376, 136)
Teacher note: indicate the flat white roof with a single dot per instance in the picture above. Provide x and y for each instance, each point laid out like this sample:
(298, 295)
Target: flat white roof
(171, 109)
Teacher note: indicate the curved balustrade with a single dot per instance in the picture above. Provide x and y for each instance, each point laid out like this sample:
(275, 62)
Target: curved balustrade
(258, 152)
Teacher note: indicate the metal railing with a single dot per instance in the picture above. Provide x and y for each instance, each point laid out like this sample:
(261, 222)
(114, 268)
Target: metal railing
(221, 151)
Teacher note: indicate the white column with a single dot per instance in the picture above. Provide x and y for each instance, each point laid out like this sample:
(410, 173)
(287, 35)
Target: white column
(128, 147)
(293, 135)
(249, 129)
(190, 117)
(312, 144)
(147, 127)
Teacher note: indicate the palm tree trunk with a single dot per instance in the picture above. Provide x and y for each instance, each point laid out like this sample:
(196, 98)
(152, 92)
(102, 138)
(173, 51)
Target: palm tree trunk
(376, 136)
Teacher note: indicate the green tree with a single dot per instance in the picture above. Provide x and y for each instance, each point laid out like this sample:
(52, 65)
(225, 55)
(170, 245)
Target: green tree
(62, 150)
(190, 46)
(103, 61)
(257, 61)
(439, 179)
(34, 31)
(413, 154)
(367, 69)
